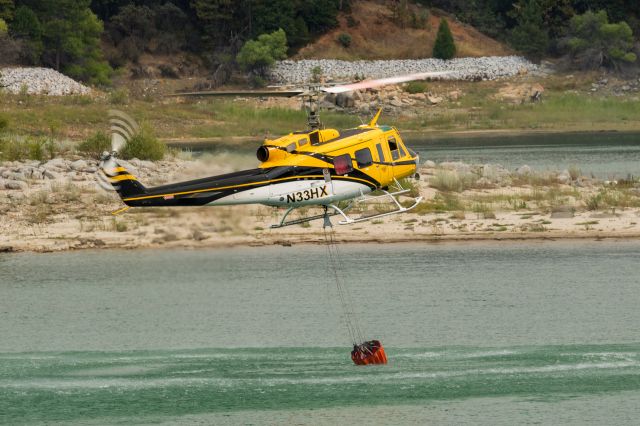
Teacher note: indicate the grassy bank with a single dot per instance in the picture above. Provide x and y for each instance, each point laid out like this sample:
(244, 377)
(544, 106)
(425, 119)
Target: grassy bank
(567, 106)
(77, 117)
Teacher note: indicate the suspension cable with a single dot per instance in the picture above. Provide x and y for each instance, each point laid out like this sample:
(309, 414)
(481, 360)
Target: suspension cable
(335, 266)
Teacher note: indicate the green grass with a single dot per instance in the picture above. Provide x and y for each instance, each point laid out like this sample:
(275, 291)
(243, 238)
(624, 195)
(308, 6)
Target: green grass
(557, 111)
(78, 117)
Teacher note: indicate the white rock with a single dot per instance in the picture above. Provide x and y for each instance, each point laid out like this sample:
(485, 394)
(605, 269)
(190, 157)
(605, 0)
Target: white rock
(56, 163)
(524, 170)
(429, 164)
(40, 81)
(17, 176)
(15, 184)
(79, 165)
(564, 177)
(458, 166)
(484, 68)
(51, 174)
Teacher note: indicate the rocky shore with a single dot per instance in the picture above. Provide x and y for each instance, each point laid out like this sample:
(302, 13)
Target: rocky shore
(39, 81)
(470, 69)
(57, 205)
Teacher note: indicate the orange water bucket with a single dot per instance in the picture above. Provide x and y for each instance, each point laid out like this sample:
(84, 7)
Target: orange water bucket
(366, 353)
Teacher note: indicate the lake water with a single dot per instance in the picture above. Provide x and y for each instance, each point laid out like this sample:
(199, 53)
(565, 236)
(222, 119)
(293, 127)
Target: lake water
(482, 333)
(606, 155)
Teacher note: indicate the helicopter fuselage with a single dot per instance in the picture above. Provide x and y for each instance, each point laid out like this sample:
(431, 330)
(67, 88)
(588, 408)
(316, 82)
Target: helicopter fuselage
(304, 168)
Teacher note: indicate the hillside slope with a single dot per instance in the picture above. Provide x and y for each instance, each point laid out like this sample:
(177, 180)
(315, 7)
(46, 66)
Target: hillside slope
(376, 36)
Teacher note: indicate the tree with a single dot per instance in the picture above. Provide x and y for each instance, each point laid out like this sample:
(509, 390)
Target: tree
(530, 35)
(258, 55)
(444, 46)
(216, 18)
(593, 42)
(26, 27)
(69, 35)
(6, 9)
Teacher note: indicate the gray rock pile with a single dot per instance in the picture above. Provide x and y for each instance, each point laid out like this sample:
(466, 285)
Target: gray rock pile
(485, 68)
(32, 174)
(39, 81)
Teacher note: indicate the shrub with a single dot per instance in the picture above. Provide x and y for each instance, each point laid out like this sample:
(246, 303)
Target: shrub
(450, 181)
(4, 123)
(594, 42)
(257, 82)
(574, 172)
(119, 96)
(444, 46)
(316, 74)
(420, 20)
(144, 146)
(96, 144)
(344, 39)
(35, 148)
(14, 149)
(594, 202)
(415, 87)
(258, 55)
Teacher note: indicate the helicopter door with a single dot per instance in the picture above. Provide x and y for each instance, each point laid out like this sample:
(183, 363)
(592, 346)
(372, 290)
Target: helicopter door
(383, 164)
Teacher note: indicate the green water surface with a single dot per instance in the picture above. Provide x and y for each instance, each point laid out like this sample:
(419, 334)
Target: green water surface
(491, 333)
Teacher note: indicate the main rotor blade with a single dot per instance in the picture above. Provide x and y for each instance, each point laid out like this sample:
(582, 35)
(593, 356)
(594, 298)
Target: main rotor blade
(384, 81)
(244, 93)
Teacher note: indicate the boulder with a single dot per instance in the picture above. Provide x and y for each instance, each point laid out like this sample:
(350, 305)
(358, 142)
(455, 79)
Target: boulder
(524, 170)
(78, 165)
(15, 184)
(16, 176)
(51, 174)
(455, 95)
(345, 100)
(494, 173)
(564, 177)
(56, 164)
(434, 100)
(458, 166)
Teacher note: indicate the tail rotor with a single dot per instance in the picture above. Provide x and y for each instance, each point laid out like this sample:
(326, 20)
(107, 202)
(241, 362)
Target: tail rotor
(112, 175)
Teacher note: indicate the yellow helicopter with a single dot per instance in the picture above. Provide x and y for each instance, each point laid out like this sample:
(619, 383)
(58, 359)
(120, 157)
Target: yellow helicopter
(316, 167)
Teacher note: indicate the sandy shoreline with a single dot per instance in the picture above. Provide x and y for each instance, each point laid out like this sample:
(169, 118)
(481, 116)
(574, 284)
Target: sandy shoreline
(68, 211)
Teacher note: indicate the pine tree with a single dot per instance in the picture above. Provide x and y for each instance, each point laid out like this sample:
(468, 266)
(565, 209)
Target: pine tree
(530, 36)
(6, 9)
(444, 46)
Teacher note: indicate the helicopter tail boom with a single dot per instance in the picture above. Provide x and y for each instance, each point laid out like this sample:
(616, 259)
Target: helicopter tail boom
(115, 177)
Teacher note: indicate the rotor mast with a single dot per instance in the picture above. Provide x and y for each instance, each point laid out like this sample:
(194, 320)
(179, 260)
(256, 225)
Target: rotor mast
(310, 102)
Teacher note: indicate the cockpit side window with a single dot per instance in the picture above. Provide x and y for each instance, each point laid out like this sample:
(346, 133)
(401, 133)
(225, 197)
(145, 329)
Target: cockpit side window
(363, 157)
(343, 164)
(380, 153)
(314, 137)
(393, 147)
(302, 142)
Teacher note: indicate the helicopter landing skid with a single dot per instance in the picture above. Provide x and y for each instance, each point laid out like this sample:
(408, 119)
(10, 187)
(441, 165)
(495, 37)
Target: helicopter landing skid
(390, 195)
(347, 219)
(326, 214)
